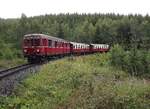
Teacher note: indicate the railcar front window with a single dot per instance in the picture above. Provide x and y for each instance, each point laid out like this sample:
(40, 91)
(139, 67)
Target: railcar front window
(35, 42)
(27, 42)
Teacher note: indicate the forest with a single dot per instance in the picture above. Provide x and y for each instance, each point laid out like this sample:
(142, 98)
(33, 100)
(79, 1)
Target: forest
(129, 31)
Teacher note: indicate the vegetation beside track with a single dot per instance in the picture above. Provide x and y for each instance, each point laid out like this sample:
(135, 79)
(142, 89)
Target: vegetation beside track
(4, 63)
(86, 82)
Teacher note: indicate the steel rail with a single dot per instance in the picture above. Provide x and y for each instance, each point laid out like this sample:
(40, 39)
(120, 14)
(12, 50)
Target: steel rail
(13, 70)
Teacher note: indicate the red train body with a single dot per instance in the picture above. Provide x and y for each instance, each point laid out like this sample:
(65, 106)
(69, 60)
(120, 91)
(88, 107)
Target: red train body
(39, 47)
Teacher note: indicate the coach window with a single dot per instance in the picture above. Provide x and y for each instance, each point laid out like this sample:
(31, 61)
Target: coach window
(44, 42)
(67, 45)
(63, 44)
(59, 45)
(49, 43)
(55, 43)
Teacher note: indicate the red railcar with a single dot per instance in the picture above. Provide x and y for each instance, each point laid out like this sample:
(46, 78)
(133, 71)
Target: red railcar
(39, 47)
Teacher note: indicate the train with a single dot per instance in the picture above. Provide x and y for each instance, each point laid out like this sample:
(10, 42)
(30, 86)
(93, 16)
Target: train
(40, 47)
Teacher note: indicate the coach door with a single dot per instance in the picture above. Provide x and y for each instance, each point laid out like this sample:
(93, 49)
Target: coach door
(71, 48)
(91, 48)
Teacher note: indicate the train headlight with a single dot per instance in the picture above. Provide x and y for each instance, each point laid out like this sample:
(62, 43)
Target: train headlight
(37, 50)
(25, 50)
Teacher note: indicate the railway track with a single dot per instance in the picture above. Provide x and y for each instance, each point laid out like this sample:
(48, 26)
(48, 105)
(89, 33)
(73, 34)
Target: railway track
(11, 71)
(10, 78)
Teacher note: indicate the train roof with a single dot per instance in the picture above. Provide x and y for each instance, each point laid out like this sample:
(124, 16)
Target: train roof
(76, 43)
(99, 44)
(44, 36)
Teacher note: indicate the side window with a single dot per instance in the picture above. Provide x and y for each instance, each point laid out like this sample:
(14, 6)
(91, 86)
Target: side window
(61, 44)
(55, 43)
(44, 42)
(49, 43)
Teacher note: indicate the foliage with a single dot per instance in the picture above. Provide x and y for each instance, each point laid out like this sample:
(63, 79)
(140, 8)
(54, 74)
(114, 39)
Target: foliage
(135, 62)
(80, 82)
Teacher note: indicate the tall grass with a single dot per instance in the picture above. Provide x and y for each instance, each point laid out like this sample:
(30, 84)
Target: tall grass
(87, 82)
(4, 63)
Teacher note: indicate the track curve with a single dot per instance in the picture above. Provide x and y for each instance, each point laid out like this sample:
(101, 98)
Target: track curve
(11, 71)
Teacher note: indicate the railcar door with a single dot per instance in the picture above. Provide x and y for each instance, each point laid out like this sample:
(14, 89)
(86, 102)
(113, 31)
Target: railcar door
(71, 48)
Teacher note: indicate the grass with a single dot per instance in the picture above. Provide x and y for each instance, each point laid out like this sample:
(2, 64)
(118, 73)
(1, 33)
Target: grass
(87, 82)
(4, 64)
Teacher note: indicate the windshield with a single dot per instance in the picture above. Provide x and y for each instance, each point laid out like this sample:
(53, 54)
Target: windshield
(31, 42)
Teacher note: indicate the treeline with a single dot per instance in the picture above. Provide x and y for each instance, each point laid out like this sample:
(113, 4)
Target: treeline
(129, 31)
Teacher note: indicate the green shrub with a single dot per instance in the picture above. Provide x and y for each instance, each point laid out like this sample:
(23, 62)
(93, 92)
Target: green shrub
(117, 56)
(136, 62)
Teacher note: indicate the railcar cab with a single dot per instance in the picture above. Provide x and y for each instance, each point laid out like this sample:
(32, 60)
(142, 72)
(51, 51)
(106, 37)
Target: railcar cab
(32, 44)
(33, 47)
(40, 47)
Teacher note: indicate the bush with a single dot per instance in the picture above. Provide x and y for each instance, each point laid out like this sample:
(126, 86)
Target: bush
(136, 62)
(117, 56)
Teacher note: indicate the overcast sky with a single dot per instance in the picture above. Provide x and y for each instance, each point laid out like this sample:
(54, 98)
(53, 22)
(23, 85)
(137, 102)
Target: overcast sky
(14, 8)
